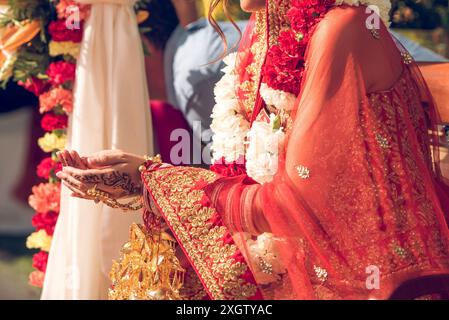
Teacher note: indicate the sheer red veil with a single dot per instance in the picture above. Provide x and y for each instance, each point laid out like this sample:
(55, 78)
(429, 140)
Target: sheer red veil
(364, 128)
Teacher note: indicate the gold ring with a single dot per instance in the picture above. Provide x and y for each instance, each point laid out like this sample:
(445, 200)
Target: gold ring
(92, 191)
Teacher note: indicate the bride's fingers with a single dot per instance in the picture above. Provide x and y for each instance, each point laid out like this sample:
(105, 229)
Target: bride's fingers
(106, 158)
(61, 158)
(75, 190)
(93, 176)
(78, 162)
(68, 158)
(107, 180)
(77, 184)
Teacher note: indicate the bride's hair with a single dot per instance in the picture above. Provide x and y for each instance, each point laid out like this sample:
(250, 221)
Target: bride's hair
(214, 4)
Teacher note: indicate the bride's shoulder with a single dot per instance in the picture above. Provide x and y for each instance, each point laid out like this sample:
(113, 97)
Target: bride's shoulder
(343, 17)
(342, 22)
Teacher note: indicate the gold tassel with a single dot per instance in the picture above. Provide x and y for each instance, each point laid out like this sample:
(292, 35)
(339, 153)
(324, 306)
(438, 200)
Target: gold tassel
(148, 268)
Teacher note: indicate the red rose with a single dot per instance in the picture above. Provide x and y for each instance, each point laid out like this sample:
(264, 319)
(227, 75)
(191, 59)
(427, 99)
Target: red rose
(297, 19)
(59, 32)
(47, 167)
(45, 221)
(283, 71)
(40, 261)
(61, 72)
(52, 121)
(34, 85)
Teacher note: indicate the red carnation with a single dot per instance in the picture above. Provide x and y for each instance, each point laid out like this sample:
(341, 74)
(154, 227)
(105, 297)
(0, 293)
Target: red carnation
(52, 121)
(34, 85)
(40, 261)
(45, 221)
(61, 72)
(59, 32)
(47, 167)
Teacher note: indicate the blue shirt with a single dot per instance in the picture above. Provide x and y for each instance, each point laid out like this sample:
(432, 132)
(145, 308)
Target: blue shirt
(189, 74)
(418, 52)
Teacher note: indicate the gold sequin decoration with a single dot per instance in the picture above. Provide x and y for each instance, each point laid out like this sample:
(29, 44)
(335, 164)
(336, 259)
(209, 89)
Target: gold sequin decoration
(375, 33)
(406, 57)
(303, 172)
(265, 266)
(321, 273)
(382, 141)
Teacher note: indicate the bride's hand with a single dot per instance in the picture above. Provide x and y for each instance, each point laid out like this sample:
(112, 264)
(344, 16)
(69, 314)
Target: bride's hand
(112, 171)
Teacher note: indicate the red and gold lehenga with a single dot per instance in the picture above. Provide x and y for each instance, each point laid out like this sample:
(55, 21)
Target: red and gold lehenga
(357, 187)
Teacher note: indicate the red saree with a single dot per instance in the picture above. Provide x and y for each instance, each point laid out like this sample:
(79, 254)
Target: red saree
(358, 192)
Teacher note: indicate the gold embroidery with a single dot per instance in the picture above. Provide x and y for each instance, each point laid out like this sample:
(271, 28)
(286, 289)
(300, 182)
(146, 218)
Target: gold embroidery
(400, 251)
(303, 172)
(265, 266)
(406, 57)
(320, 273)
(389, 197)
(383, 142)
(375, 33)
(299, 36)
(172, 191)
(250, 84)
(148, 268)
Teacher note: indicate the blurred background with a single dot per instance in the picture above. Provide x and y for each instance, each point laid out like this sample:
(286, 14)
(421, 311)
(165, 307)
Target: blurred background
(425, 22)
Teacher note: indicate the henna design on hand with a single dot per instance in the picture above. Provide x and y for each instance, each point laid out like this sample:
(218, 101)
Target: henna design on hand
(115, 180)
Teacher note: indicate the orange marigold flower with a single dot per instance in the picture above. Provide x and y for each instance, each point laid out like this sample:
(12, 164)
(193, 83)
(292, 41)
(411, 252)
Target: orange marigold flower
(45, 197)
(36, 278)
(56, 97)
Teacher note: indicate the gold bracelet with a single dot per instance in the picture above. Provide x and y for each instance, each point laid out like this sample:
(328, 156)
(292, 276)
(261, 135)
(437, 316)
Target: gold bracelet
(102, 196)
(149, 161)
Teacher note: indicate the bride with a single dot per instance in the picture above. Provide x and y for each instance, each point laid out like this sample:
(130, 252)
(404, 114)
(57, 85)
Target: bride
(326, 181)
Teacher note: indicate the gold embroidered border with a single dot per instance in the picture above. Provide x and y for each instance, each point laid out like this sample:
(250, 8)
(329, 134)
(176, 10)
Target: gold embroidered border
(258, 49)
(172, 190)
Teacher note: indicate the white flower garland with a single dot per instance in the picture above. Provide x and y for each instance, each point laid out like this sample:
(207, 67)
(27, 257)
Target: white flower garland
(260, 144)
(280, 99)
(228, 125)
(262, 153)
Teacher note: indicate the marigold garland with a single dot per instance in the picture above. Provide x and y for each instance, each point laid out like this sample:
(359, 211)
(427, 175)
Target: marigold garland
(45, 66)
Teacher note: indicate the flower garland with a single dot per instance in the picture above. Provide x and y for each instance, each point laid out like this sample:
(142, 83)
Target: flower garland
(46, 67)
(256, 147)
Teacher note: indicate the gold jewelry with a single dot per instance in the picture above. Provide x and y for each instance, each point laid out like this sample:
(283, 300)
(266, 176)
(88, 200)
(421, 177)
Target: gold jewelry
(106, 198)
(149, 161)
(148, 268)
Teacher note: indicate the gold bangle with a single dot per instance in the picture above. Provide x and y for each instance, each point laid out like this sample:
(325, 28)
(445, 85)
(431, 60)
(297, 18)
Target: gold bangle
(106, 198)
(149, 161)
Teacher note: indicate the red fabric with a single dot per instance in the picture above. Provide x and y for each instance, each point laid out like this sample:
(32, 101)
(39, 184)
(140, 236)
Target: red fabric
(165, 120)
(374, 196)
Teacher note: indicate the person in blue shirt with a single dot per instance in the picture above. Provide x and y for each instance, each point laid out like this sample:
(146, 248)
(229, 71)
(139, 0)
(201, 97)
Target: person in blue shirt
(182, 69)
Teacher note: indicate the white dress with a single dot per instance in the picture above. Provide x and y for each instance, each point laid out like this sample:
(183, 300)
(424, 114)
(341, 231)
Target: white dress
(111, 111)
